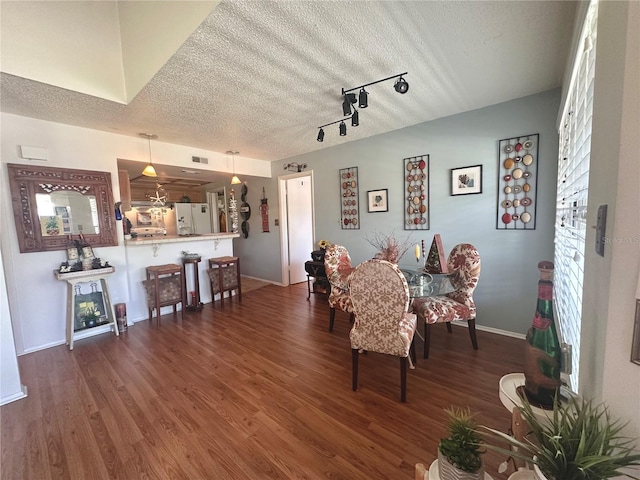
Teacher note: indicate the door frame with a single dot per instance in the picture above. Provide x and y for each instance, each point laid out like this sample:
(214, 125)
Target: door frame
(284, 220)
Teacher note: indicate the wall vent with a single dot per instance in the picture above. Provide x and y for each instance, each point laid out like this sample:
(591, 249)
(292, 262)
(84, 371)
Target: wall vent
(200, 159)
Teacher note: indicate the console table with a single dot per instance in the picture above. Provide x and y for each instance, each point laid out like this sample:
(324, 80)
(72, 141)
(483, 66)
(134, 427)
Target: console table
(86, 276)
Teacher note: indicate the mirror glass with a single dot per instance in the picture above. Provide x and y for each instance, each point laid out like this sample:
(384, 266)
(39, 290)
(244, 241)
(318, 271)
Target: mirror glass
(67, 213)
(49, 204)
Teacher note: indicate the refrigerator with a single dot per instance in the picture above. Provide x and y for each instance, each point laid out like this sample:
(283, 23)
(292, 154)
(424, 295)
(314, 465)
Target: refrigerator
(192, 218)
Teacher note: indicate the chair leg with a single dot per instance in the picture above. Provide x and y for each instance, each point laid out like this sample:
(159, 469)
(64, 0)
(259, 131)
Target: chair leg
(472, 332)
(332, 318)
(412, 351)
(449, 327)
(354, 366)
(427, 339)
(403, 379)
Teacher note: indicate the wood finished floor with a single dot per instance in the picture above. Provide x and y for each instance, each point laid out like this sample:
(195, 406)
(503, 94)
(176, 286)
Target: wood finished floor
(257, 390)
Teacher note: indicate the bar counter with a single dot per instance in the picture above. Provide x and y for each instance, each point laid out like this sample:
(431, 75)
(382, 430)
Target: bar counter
(142, 252)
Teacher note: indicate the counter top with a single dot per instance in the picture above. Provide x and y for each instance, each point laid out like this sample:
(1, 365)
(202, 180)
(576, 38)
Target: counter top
(178, 238)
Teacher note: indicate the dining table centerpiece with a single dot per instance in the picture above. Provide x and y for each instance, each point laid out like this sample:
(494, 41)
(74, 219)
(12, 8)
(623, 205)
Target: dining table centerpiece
(389, 247)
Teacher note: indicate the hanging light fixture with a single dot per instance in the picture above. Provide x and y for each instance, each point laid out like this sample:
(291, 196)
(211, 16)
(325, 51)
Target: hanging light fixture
(149, 171)
(321, 135)
(234, 180)
(343, 129)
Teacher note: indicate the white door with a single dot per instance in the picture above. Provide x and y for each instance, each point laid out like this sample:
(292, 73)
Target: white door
(299, 225)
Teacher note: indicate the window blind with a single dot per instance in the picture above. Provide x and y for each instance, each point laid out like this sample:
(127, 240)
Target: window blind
(572, 192)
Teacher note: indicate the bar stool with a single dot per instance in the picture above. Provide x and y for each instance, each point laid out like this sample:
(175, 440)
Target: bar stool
(224, 273)
(193, 260)
(164, 286)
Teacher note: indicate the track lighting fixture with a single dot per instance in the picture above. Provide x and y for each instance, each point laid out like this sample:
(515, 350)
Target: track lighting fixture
(149, 171)
(362, 98)
(401, 85)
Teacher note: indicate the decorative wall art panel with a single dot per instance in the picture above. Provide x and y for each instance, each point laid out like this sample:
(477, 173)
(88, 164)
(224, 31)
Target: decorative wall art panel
(350, 219)
(416, 193)
(517, 183)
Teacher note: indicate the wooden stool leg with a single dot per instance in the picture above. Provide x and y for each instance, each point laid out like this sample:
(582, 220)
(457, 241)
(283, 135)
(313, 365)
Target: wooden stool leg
(157, 283)
(238, 279)
(221, 285)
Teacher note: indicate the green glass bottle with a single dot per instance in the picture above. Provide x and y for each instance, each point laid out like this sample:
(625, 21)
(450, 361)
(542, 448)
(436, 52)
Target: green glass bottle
(542, 350)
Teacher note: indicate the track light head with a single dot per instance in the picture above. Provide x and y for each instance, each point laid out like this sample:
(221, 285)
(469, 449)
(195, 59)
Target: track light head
(343, 129)
(362, 98)
(401, 86)
(346, 107)
(355, 121)
(321, 135)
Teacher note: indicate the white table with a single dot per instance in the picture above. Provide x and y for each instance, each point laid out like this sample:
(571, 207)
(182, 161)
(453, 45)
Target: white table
(86, 276)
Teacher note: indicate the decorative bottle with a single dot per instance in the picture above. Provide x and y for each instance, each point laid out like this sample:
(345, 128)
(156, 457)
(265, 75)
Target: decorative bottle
(542, 350)
(72, 251)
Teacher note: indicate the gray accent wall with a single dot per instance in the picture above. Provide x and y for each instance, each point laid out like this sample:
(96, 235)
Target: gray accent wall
(507, 289)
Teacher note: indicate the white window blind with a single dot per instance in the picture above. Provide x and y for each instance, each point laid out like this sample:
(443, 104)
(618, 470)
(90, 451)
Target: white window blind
(572, 192)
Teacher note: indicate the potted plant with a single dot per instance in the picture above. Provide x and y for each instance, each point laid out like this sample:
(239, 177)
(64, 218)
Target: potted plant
(577, 440)
(91, 317)
(459, 455)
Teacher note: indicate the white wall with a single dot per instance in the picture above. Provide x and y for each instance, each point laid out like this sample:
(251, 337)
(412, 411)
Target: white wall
(36, 298)
(610, 281)
(11, 387)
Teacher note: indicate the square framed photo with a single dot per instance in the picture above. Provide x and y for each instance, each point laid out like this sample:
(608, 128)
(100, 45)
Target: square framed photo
(466, 180)
(377, 200)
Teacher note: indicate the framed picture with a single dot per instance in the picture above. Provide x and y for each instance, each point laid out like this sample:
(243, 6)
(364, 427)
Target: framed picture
(635, 343)
(466, 180)
(377, 200)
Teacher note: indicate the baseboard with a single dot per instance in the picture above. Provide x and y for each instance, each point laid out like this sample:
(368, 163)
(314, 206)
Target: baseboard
(263, 280)
(497, 331)
(15, 396)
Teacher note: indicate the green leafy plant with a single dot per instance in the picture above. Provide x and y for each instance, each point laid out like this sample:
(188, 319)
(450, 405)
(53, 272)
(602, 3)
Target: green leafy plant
(91, 314)
(463, 445)
(578, 441)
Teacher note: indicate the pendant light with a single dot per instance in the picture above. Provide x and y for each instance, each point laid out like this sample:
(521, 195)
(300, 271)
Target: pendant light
(149, 171)
(234, 180)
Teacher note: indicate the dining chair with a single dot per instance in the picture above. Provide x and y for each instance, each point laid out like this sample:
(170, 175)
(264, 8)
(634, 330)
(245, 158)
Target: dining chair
(337, 266)
(464, 262)
(380, 297)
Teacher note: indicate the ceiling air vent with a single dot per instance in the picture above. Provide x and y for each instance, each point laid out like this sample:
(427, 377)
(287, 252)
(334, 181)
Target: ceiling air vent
(199, 160)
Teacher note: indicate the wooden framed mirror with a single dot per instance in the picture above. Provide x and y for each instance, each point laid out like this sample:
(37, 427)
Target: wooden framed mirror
(49, 204)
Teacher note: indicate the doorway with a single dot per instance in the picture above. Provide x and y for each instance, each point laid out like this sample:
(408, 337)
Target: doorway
(297, 224)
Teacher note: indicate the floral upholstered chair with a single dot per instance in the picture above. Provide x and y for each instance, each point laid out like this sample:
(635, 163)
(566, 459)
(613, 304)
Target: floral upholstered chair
(337, 266)
(380, 297)
(464, 261)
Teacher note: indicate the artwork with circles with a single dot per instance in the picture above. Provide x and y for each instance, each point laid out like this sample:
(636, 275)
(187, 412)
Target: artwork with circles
(517, 183)
(416, 193)
(350, 213)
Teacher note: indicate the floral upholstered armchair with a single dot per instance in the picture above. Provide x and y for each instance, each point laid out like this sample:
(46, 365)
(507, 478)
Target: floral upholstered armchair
(337, 266)
(380, 297)
(464, 261)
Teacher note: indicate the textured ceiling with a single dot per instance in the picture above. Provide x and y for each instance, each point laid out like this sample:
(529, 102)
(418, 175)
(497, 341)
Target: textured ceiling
(261, 76)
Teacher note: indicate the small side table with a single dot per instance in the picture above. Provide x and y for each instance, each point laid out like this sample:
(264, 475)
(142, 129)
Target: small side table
(195, 297)
(86, 276)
